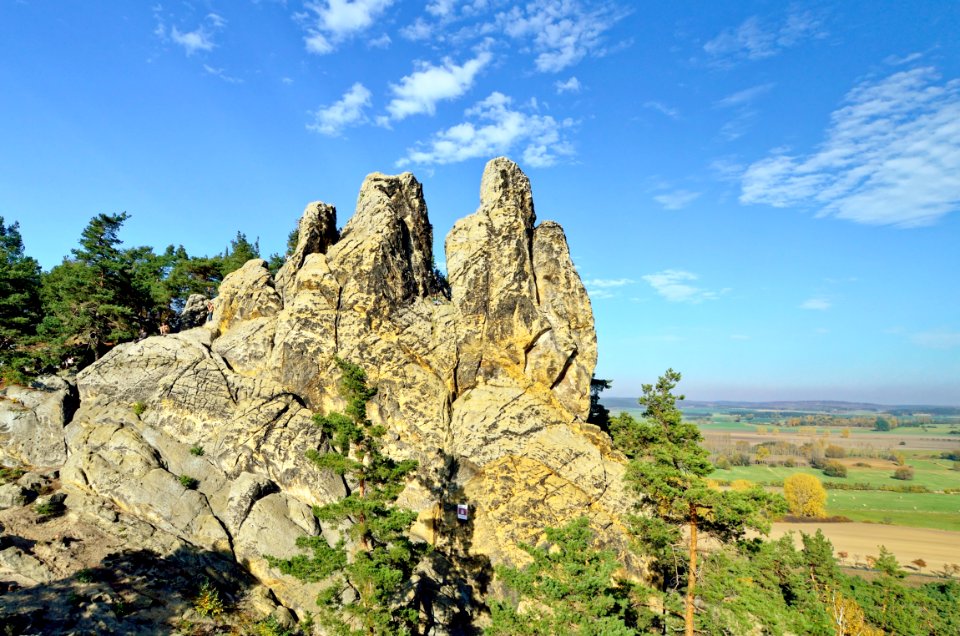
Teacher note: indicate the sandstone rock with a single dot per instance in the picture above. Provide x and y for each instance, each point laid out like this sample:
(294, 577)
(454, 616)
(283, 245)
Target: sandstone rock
(23, 568)
(14, 496)
(272, 527)
(245, 294)
(316, 232)
(487, 387)
(32, 420)
(194, 312)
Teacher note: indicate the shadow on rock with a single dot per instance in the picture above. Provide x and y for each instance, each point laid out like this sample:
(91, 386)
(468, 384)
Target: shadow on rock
(130, 592)
(452, 581)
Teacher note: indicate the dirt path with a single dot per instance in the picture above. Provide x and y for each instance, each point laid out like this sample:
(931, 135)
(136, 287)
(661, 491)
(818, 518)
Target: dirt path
(858, 540)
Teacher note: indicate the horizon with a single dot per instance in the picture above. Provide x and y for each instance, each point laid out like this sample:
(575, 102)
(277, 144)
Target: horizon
(762, 197)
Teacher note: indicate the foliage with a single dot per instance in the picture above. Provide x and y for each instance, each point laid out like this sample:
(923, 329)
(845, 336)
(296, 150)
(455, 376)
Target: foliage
(208, 601)
(46, 509)
(382, 557)
(8, 474)
(599, 414)
(904, 473)
(668, 474)
(197, 451)
(139, 408)
(834, 469)
(805, 495)
(19, 304)
(90, 300)
(188, 482)
(773, 585)
(569, 588)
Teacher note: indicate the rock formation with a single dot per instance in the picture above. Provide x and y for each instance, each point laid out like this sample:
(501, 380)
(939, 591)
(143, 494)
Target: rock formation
(486, 386)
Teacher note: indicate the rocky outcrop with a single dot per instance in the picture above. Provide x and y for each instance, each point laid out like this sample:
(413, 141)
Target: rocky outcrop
(32, 420)
(202, 435)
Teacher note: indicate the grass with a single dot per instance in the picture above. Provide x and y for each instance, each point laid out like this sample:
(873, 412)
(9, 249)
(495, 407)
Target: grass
(903, 509)
(932, 474)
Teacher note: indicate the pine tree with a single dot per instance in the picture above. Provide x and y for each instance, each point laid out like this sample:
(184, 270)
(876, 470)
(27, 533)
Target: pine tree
(570, 588)
(380, 557)
(19, 303)
(90, 301)
(668, 474)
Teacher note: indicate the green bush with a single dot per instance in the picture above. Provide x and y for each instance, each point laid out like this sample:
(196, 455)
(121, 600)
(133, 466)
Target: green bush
(834, 469)
(48, 509)
(10, 474)
(139, 408)
(208, 601)
(903, 472)
(188, 482)
(198, 451)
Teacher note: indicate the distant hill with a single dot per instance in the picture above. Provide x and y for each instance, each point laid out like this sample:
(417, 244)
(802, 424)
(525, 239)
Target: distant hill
(813, 406)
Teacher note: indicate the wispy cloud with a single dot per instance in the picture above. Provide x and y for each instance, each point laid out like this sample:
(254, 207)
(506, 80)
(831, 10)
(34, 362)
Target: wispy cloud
(348, 111)
(599, 288)
(608, 282)
(891, 156)
(332, 21)
(496, 127)
(739, 336)
(745, 96)
(563, 32)
(941, 339)
(419, 92)
(816, 304)
(675, 285)
(756, 40)
(676, 200)
(663, 109)
(219, 72)
(200, 39)
(571, 85)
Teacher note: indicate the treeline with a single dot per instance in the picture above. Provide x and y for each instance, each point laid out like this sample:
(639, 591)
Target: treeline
(102, 294)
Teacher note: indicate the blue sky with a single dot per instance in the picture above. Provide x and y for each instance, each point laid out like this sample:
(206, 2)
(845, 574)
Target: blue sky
(761, 195)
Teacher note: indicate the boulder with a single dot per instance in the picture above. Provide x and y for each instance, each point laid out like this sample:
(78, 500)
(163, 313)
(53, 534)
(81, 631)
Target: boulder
(32, 421)
(194, 312)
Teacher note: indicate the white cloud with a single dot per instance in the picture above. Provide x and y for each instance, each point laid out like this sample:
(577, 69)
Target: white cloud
(200, 39)
(381, 42)
(753, 40)
(891, 156)
(219, 72)
(562, 31)
(662, 108)
(419, 92)
(941, 339)
(197, 40)
(418, 31)
(816, 304)
(497, 128)
(745, 96)
(677, 199)
(348, 111)
(673, 284)
(572, 85)
(441, 8)
(608, 282)
(333, 21)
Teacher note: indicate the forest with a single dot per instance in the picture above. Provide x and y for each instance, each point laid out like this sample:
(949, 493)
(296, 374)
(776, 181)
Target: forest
(101, 294)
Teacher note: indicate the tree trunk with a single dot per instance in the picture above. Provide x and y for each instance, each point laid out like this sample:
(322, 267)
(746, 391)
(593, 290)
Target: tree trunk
(692, 574)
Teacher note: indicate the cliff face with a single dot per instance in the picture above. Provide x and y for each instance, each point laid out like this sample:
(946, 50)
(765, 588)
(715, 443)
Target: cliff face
(487, 386)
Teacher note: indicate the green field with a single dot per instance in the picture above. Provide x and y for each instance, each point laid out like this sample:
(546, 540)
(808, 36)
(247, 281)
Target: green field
(902, 509)
(932, 474)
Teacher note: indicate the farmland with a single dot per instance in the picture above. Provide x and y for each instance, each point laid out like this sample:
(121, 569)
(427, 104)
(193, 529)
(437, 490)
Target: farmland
(767, 445)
